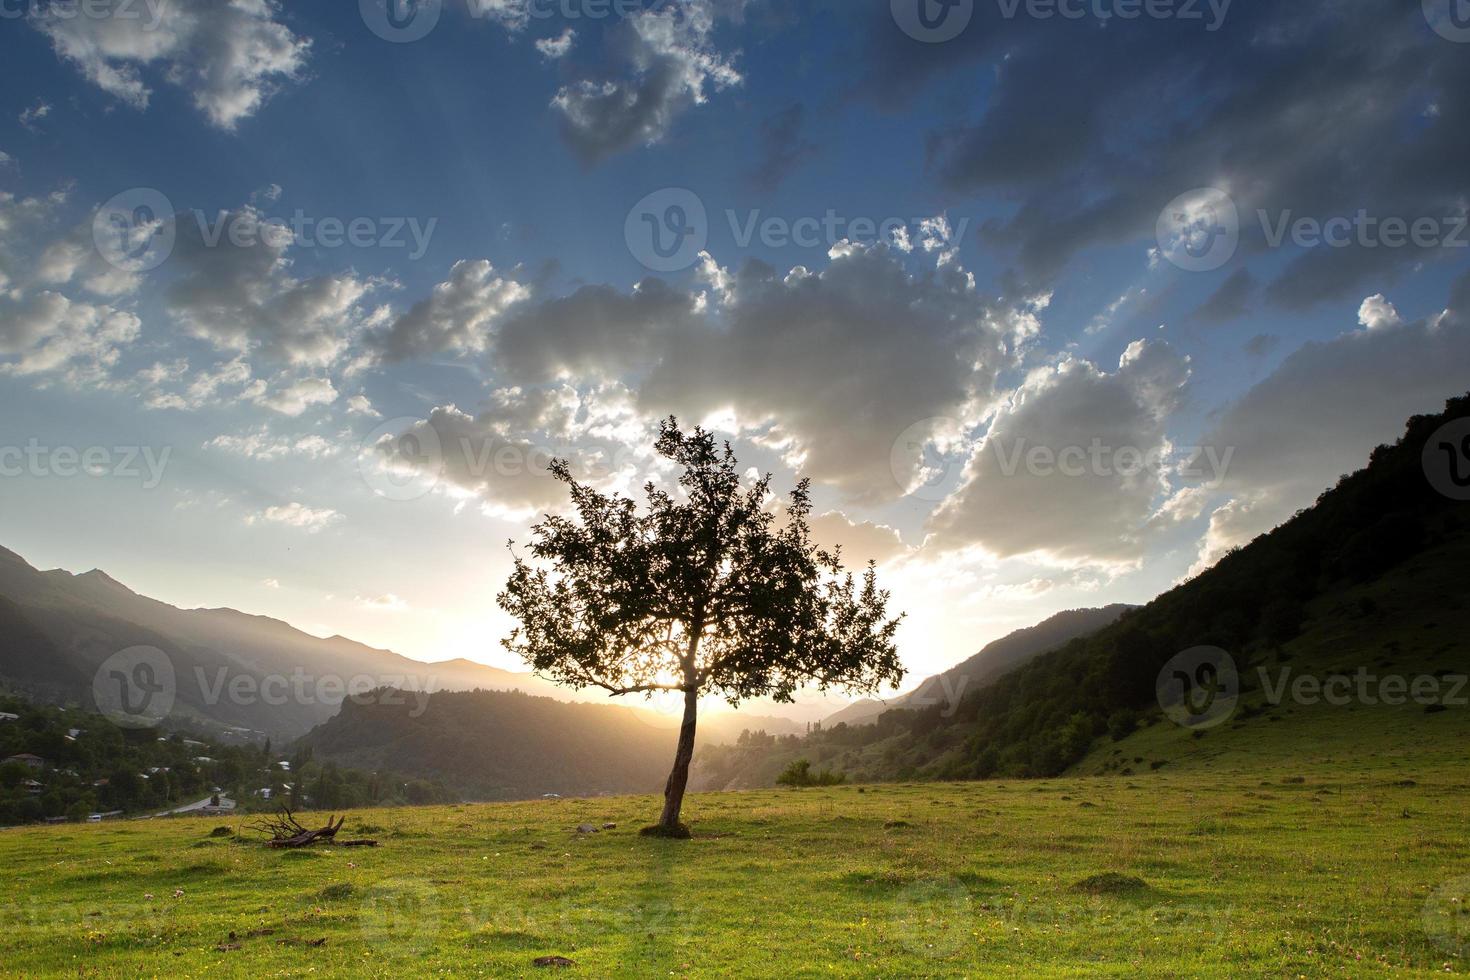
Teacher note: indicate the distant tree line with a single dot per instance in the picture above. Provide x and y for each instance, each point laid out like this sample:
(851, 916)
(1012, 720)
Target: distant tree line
(89, 765)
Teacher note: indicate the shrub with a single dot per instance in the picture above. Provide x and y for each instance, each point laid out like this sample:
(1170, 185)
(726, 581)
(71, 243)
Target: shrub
(799, 773)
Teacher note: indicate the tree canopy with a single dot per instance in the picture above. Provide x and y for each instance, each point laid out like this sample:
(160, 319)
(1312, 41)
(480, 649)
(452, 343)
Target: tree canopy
(706, 590)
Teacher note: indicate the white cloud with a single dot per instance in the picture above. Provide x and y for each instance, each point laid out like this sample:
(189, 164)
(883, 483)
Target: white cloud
(359, 405)
(457, 316)
(388, 602)
(40, 110)
(48, 332)
(310, 519)
(1073, 463)
(669, 59)
(230, 56)
(1378, 313)
(554, 48)
(237, 292)
(295, 397)
(261, 444)
(501, 456)
(1326, 407)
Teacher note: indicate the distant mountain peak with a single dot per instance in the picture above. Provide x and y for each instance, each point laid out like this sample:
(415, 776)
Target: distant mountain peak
(99, 577)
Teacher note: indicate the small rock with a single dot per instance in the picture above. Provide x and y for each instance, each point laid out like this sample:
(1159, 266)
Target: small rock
(609, 826)
(226, 947)
(586, 828)
(553, 961)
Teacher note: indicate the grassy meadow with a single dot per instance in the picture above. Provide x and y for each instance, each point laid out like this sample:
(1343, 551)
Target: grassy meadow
(1183, 874)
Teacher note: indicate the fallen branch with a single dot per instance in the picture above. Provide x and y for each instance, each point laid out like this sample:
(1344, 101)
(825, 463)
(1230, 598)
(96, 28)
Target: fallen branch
(287, 831)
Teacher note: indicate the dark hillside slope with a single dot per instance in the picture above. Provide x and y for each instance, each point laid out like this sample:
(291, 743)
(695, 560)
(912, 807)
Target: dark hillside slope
(1046, 716)
(496, 745)
(997, 657)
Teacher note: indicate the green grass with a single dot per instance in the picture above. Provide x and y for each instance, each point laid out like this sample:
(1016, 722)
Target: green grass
(1241, 874)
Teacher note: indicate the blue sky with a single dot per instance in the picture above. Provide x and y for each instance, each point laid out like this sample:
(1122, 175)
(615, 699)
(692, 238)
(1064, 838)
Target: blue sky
(1048, 173)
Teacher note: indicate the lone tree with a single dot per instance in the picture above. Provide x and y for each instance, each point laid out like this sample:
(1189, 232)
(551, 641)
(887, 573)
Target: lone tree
(703, 593)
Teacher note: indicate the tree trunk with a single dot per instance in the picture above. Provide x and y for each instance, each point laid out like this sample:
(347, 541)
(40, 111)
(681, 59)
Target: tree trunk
(679, 778)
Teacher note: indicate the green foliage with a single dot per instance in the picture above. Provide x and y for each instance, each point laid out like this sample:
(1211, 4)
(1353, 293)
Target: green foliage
(699, 592)
(799, 773)
(703, 592)
(1047, 715)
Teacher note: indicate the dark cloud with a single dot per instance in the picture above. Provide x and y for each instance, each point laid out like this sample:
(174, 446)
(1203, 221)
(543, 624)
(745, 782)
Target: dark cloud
(1091, 127)
(783, 147)
(1229, 301)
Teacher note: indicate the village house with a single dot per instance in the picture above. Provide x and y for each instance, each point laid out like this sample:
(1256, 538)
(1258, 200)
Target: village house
(26, 759)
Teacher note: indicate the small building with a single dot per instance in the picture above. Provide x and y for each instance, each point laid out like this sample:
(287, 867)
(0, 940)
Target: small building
(7, 716)
(26, 759)
(33, 787)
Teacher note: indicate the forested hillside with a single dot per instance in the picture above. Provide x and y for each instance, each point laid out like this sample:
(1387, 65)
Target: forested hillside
(1047, 715)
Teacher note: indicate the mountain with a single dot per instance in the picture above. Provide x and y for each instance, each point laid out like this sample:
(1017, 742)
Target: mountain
(529, 745)
(56, 629)
(1368, 580)
(995, 659)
